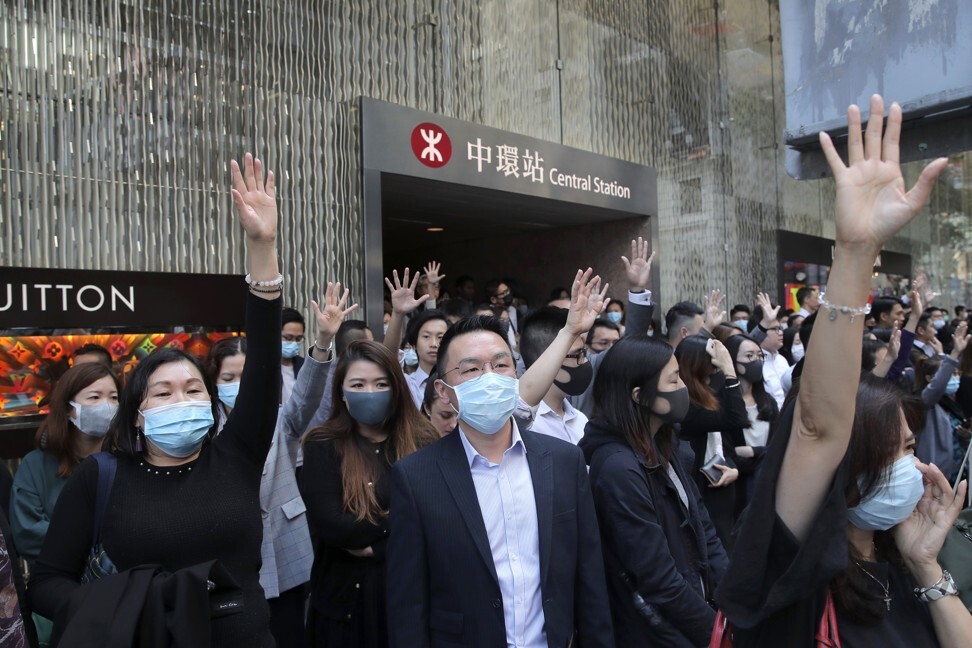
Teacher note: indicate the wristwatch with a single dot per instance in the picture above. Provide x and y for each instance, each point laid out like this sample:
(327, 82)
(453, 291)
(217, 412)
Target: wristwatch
(944, 587)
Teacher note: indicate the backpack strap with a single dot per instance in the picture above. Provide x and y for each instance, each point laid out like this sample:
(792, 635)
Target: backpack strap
(107, 465)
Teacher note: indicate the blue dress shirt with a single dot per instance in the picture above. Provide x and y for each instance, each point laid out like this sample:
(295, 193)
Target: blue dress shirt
(509, 509)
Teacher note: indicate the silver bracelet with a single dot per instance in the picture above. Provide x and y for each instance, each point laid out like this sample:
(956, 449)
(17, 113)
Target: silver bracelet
(276, 282)
(846, 310)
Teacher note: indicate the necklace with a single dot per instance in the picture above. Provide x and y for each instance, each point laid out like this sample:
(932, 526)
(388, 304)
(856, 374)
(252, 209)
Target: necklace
(887, 594)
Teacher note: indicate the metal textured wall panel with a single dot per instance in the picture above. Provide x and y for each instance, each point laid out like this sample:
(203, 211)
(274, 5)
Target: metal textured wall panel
(117, 121)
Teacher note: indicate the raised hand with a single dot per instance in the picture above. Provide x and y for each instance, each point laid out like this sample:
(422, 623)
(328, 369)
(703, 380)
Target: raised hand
(403, 293)
(330, 317)
(714, 315)
(255, 200)
(586, 302)
(960, 339)
(721, 359)
(921, 536)
(637, 269)
(872, 204)
(432, 273)
(894, 343)
(769, 313)
(432, 278)
(916, 307)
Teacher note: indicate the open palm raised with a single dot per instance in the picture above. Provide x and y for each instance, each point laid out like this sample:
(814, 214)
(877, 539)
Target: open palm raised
(872, 202)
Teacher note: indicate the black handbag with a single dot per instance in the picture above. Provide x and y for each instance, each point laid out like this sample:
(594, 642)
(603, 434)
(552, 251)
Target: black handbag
(99, 564)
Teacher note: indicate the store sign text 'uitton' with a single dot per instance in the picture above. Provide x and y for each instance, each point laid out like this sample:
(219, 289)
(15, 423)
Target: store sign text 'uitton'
(67, 298)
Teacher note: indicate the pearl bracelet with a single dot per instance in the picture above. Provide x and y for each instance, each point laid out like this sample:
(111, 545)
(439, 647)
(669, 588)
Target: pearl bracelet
(269, 284)
(846, 310)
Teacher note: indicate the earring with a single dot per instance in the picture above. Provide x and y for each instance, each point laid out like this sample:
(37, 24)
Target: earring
(138, 439)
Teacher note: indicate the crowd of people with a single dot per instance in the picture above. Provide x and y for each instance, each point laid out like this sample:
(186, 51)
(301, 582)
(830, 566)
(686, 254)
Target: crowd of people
(483, 473)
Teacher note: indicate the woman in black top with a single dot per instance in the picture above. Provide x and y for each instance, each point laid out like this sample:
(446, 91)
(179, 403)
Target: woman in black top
(181, 497)
(714, 421)
(761, 412)
(824, 520)
(657, 539)
(344, 484)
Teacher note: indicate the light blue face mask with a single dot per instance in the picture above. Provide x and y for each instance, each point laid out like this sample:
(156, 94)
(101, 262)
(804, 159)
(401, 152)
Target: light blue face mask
(410, 358)
(289, 349)
(178, 429)
(487, 402)
(742, 324)
(615, 316)
(368, 408)
(893, 501)
(228, 393)
(953, 385)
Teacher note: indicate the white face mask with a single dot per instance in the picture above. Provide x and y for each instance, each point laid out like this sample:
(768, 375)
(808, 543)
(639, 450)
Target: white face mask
(797, 352)
(94, 420)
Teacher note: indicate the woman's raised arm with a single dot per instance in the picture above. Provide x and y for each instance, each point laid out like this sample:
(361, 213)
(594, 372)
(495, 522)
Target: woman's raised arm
(256, 206)
(872, 206)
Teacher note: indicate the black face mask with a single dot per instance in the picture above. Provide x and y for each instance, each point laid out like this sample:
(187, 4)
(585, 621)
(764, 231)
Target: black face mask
(678, 405)
(717, 380)
(752, 371)
(579, 381)
(508, 300)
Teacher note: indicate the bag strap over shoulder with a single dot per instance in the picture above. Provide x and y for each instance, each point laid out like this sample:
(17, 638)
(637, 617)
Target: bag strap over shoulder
(107, 465)
(827, 632)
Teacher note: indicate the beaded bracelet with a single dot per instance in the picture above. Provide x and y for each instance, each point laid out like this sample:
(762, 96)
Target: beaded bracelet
(266, 291)
(846, 310)
(276, 282)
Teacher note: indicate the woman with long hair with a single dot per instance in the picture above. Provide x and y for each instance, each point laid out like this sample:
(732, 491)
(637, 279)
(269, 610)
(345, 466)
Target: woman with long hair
(845, 525)
(761, 410)
(345, 485)
(182, 497)
(662, 556)
(83, 403)
(286, 552)
(717, 413)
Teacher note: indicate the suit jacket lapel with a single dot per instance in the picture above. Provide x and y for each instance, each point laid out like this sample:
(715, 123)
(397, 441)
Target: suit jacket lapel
(541, 473)
(455, 470)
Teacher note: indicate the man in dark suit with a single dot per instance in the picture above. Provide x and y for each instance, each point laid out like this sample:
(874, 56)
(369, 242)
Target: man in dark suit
(493, 536)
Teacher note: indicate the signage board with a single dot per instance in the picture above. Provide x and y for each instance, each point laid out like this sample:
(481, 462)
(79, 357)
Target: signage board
(48, 298)
(415, 143)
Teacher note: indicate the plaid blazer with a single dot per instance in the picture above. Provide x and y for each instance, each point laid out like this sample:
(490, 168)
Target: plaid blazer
(287, 551)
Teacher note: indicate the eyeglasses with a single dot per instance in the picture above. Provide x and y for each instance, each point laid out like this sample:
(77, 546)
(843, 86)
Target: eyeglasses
(292, 338)
(502, 295)
(579, 356)
(775, 329)
(472, 368)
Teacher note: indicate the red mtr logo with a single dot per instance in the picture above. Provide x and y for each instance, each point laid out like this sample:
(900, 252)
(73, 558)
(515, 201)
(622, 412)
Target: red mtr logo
(431, 145)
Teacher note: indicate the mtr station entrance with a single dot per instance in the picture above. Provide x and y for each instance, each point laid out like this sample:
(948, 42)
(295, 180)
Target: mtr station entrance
(492, 204)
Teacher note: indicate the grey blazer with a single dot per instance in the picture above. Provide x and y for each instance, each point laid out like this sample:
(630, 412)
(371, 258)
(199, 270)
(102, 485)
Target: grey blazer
(287, 551)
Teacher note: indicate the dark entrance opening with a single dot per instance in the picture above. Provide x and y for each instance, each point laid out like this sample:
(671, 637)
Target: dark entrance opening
(485, 233)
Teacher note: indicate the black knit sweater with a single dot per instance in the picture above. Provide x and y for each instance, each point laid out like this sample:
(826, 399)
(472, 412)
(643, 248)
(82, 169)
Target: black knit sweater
(185, 515)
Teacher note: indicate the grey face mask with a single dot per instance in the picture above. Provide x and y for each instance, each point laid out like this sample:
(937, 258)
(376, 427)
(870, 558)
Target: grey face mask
(94, 420)
(368, 408)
